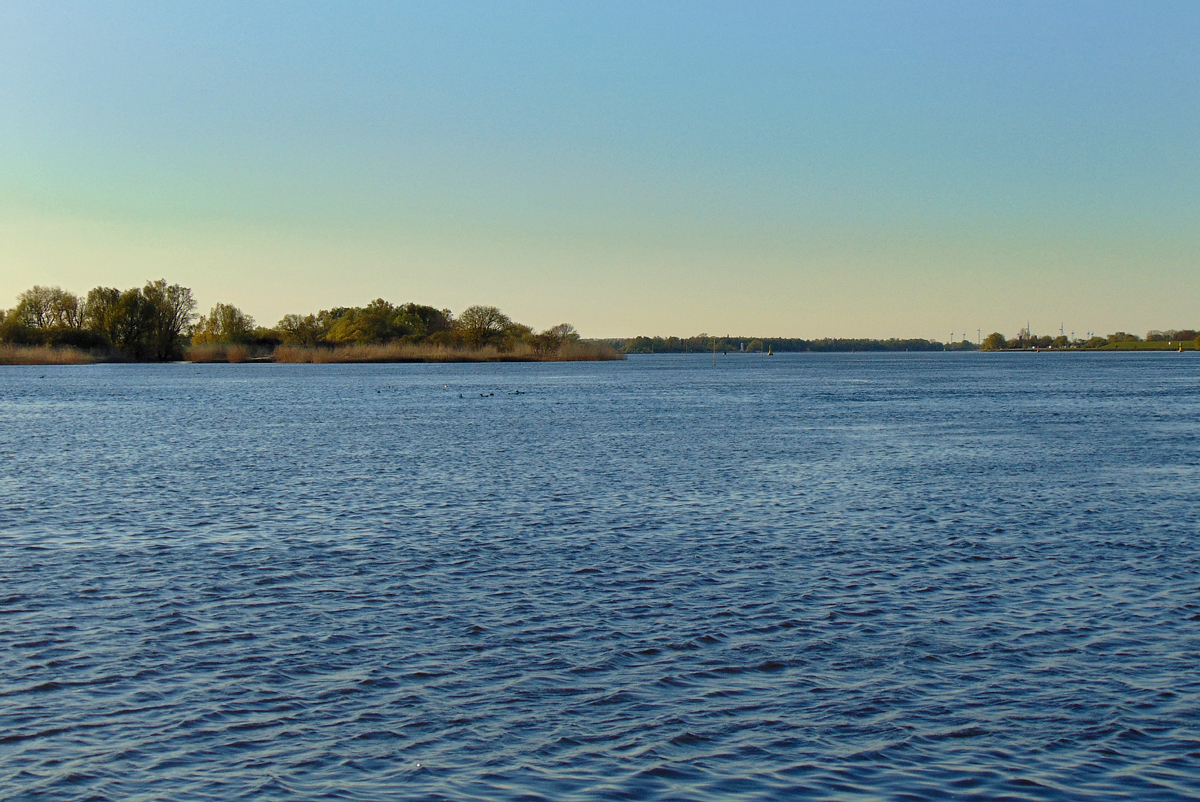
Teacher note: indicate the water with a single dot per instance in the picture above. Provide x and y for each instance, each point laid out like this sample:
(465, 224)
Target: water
(910, 576)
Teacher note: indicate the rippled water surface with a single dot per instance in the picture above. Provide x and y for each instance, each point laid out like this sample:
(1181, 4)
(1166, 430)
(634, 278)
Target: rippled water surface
(908, 577)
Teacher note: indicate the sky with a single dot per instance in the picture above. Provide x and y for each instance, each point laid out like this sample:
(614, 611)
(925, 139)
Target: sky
(841, 169)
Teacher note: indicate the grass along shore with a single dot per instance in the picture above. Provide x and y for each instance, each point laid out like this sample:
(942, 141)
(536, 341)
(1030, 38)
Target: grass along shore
(41, 355)
(387, 352)
(407, 352)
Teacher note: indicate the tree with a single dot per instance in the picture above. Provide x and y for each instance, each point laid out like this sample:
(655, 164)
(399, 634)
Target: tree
(515, 333)
(66, 310)
(172, 308)
(33, 307)
(145, 323)
(297, 330)
(50, 307)
(102, 311)
(483, 325)
(425, 321)
(13, 330)
(994, 342)
(377, 322)
(549, 341)
(131, 324)
(224, 324)
(49, 316)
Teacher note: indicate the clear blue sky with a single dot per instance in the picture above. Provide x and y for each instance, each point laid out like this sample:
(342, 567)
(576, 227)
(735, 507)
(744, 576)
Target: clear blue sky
(789, 169)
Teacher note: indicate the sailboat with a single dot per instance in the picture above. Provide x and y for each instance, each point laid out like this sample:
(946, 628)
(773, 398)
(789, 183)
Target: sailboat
(770, 351)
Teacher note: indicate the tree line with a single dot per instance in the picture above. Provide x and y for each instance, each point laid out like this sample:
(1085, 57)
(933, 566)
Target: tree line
(705, 343)
(143, 323)
(158, 322)
(1026, 339)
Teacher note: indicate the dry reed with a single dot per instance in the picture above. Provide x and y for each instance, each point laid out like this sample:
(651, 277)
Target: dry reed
(208, 352)
(217, 352)
(409, 352)
(587, 352)
(40, 355)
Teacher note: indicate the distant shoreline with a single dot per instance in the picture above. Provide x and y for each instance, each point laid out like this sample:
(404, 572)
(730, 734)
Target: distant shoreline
(36, 355)
(398, 353)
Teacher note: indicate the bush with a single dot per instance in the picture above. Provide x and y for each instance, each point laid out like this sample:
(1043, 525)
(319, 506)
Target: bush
(994, 342)
(83, 339)
(13, 331)
(224, 324)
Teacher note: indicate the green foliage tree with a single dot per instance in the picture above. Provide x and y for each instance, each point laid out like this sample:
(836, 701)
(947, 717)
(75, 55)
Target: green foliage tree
(517, 333)
(377, 322)
(33, 307)
(425, 321)
(224, 324)
(49, 316)
(994, 342)
(101, 311)
(13, 331)
(554, 338)
(146, 323)
(50, 308)
(172, 308)
(303, 330)
(67, 310)
(132, 324)
(483, 325)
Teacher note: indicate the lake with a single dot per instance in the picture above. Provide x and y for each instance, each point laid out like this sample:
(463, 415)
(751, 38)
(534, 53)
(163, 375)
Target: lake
(809, 576)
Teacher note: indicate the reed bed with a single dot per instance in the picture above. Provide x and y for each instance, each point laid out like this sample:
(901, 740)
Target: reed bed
(41, 355)
(409, 352)
(587, 352)
(219, 352)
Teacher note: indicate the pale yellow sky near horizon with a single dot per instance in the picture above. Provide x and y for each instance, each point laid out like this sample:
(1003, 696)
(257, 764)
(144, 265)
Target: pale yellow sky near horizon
(832, 169)
(610, 293)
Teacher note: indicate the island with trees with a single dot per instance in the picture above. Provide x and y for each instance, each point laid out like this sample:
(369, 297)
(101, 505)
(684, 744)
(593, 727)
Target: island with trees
(158, 323)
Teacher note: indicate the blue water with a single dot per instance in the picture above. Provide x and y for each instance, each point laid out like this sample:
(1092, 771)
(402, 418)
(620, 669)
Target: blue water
(847, 576)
